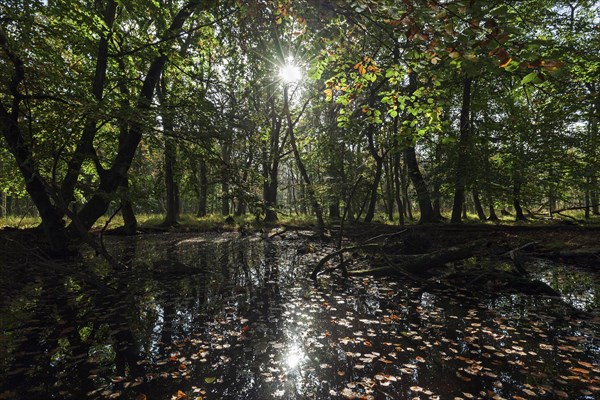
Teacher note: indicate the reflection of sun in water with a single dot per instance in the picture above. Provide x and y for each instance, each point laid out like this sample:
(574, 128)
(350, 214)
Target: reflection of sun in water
(294, 357)
(290, 72)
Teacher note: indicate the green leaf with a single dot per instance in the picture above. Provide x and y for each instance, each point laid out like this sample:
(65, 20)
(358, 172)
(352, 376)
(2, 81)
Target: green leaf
(532, 76)
(210, 379)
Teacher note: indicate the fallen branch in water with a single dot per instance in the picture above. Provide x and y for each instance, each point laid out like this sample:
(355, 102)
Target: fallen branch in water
(420, 263)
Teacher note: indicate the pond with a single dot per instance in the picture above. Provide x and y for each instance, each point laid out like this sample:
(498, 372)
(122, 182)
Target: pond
(231, 317)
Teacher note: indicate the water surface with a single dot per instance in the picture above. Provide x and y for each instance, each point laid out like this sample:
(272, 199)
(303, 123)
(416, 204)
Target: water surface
(229, 317)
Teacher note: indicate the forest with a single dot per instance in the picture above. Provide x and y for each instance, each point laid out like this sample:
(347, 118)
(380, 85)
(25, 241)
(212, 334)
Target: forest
(299, 199)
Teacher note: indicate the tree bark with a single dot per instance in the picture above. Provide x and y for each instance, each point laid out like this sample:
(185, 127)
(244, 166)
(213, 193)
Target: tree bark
(378, 173)
(225, 177)
(477, 203)
(463, 153)
(420, 185)
(84, 147)
(303, 172)
(519, 216)
(130, 224)
(202, 188)
(398, 188)
(170, 156)
(492, 216)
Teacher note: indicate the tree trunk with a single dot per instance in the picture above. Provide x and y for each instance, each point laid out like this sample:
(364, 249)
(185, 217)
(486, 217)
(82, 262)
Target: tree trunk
(374, 191)
(172, 214)
(170, 155)
(202, 188)
(303, 172)
(477, 203)
(398, 187)
(407, 209)
(463, 153)
(111, 179)
(587, 200)
(378, 173)
(130, 223)
(225, 178)
(84, 147)
(493, 216)
(420, 185)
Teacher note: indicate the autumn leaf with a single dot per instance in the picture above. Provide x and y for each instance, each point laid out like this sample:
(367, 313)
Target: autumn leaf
(505, 62)
(360, 68)
(180, 395)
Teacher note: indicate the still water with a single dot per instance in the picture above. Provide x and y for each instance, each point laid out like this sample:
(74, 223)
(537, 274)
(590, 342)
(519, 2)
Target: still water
(229, 317)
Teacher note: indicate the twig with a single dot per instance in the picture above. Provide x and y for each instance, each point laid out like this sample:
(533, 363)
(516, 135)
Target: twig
(328, 257)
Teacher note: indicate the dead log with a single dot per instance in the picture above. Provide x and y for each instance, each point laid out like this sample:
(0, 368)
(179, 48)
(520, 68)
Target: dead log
(418, 264)
(341, 251)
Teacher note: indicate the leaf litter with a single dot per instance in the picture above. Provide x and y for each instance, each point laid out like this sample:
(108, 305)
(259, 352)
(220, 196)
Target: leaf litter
(257, 328)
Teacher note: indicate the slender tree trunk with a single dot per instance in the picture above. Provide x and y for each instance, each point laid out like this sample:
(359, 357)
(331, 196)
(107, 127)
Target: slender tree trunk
(398, 187)
(303, 172)
(202, 188)
(172, 214)
(374, 190)
(407, 209)
(477, 203)
(492, 212)
(84, 148)
(587, 200)
(225, 178)
(130, 223)
(170, 155)
(463, 147)
(593, 165)
(423, 197)
(594, 198)
(389, 189)
(517, 204)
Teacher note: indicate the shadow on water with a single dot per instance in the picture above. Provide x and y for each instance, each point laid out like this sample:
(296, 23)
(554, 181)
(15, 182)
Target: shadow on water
(224, 317)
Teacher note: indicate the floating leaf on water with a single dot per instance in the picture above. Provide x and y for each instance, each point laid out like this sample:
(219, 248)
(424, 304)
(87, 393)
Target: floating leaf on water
(349, 393)
(580, 371)
(180, 395)
(210, 379)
